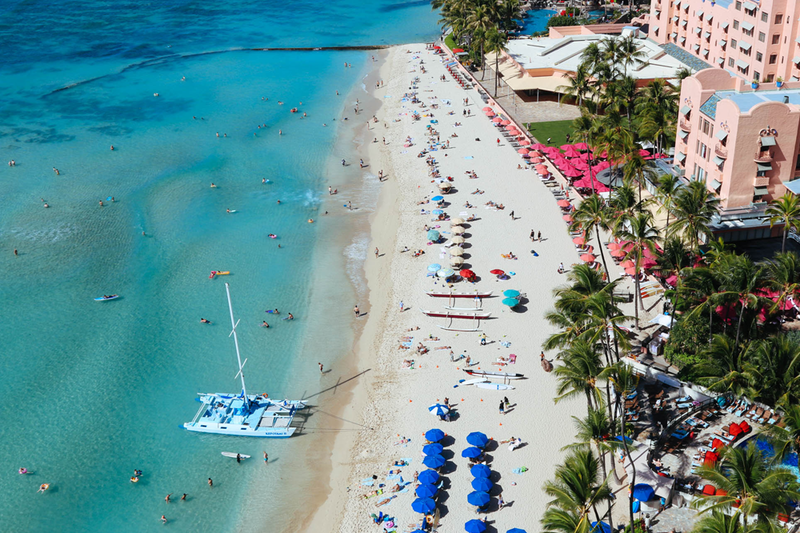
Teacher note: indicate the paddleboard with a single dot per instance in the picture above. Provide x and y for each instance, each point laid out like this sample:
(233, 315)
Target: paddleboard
(231, 454)
(494, 386)
(101, 299)
(474, 381)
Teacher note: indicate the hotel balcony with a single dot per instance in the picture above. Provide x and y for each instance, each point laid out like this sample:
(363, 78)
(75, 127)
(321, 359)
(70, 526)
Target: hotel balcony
(763, 157)
(761, 181)
(684, 124)
(721, 151)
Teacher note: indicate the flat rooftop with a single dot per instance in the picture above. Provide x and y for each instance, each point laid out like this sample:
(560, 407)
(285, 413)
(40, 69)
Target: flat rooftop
(565, 54)
(746, 101)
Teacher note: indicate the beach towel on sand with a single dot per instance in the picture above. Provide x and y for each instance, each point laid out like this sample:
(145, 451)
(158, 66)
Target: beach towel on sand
(520, 470)
(368, 482)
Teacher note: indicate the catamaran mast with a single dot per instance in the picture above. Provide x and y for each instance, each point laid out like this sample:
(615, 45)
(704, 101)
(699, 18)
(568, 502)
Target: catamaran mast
(236, 342)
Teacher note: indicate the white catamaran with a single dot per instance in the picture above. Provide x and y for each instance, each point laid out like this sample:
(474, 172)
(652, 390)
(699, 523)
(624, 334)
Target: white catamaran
(244, 415)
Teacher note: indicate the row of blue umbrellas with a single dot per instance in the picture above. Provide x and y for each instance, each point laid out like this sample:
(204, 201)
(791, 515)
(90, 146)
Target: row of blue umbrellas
(511, 298)
(478, 526)
(433, 459)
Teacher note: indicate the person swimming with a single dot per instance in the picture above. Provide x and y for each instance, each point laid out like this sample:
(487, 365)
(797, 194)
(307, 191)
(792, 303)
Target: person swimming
(264, 324)
(204, 321)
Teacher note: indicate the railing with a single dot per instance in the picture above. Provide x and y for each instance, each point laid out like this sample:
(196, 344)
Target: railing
(763, 157)
(684, 124)
(761, 181)
(721, 151)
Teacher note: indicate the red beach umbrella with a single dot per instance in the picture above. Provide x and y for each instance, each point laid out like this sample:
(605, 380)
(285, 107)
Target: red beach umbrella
(580, 241)
(567, 218)
(457, 50)
(497, 120)
(487, 108)
(497, 272)
(563, 203)
(467, 274)
(717, 444)
(588, 258)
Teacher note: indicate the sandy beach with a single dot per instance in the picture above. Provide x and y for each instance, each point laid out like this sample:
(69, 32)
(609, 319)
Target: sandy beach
(392, 397)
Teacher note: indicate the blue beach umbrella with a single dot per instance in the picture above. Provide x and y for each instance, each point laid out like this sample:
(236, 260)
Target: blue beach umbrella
(426, 491)
(437, 198)
(480, 471)
(511, 293)
(516, 530)
(511, 302)
(433, 235)
(482, 483)
(435, 267)
(437, 212)
(434, 435)
(478, 498)
(475, 526)
(439, 409)
(476, 438)
(432, 449)
(428, 476)
(423, 505)
(602, 527)
(471, 452)
(643, 492)
(434, 461)
(445, 272)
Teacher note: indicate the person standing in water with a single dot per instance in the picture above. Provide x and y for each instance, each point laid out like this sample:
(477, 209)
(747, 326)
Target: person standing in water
(266, 458)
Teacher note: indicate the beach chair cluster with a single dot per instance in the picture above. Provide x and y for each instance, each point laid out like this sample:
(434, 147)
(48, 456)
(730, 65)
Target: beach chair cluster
(454, 70)
(757, 413)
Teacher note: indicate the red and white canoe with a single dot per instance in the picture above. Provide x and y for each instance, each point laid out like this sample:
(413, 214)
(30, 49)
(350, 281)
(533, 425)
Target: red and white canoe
(458, 294)
(446, 314)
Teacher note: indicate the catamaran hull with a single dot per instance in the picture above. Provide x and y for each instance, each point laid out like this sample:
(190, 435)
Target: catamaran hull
(240, 431)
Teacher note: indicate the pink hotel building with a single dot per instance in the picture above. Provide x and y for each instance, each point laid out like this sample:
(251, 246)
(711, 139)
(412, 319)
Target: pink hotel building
(743, 142)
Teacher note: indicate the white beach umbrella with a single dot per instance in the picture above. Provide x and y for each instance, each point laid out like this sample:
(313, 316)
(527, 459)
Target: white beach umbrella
(458, 230)
(456, 261)
(458, 239)
(455, 221)
(456, 252)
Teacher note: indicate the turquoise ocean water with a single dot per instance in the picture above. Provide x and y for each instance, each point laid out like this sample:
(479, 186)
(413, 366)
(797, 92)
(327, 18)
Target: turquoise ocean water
(92, 390)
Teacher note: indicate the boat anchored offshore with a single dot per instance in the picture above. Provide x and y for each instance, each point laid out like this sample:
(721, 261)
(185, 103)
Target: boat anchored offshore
(244, 415)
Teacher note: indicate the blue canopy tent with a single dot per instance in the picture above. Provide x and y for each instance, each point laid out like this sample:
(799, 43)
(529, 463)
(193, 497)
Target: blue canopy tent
(516, 530)
(643, 492)
(602, 527)
(480, 471)
(434, 435)
(478, 439)
(478, 498)
(472, 452)
(428, 476)
(434, 461)
(424, 505)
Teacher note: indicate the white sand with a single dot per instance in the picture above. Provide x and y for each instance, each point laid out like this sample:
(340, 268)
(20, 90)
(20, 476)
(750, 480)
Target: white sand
(393, 400)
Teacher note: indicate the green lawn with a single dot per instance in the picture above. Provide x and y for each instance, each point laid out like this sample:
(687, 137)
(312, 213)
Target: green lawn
(556, 130)
(449, 41)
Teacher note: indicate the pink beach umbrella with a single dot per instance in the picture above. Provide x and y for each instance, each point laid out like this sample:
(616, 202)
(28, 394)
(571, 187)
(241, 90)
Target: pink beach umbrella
(489, 113)
(580, 164)
(571, 152)
(613, 246)
(588, 258)
(617, 253)
(522, 151)
(566, 146)
(627, 264)
(644, 152)
(630, 271)
(505, 123)
(572, 172)
(541, 169)
(525, 142)
(580, 241)
(538, 146)
(536, 160)
(497, 120)
(563, 203)
(672, 280)
(649, 263)
(487, 108)
(567, 218)
(580, 146)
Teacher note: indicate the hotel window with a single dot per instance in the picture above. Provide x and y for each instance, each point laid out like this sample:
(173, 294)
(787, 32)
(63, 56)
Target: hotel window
(764, 17)
(703, 150)
(759, 57)
(776, 39)
(738, 5)
(730, 61)
(701, 175)
(778, 19)
(769, 78)
(797, 165)
(756, 75)
(735, 24)
(733, 43)
(773, 58)
(761, 37)
(705, 126)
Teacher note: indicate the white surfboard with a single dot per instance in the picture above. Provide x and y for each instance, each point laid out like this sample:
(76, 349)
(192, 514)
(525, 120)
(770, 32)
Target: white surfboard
(231, 454)
(474, 381)
(494, 386)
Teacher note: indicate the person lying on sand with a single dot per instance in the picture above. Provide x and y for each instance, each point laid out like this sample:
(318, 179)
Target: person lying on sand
(376, 492)
(408, 363)
(403, 440)
(415, 328)
(387, 500)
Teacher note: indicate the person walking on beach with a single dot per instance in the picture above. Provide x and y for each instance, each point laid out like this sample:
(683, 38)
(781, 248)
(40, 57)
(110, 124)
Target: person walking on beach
(320, 368)
(512, 215)
(376, 252)
(500, 502)
(501, 408)
(483, 339)
(330, 189)
(498, 143)
(539, 237)
(356, 311)
(506, 402)
(402, 306)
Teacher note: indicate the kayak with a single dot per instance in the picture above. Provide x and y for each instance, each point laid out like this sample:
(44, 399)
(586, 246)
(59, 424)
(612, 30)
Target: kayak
(233, 455)
(215, 273)
(104, 298)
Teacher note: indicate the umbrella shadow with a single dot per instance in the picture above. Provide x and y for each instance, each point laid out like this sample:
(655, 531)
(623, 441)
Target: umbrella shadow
(448, 440)
(491, 446)
(448, 454)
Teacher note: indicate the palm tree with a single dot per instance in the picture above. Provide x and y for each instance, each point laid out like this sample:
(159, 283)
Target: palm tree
(496, 43)
(752, 484)
(577, 487)
(592, 215)
(775, 363)
(786, 440)
(629, 53)
(555, 520)
(597, 430)
(742, 284)
(718, 522)
(637, 168)
(671, 261)
(592, 56)
(580, 84)
(625, 381)
(480, 22)
(784, 276)
(694, 208)
(642, 234)
(700, 290)
(666, 191)
(584, 126)
(656, 109)
(725, 368)
(579, 373)
(785, 210)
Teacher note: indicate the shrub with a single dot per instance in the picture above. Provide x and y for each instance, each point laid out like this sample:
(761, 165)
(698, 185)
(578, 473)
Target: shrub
(562, 20)
(689, 336)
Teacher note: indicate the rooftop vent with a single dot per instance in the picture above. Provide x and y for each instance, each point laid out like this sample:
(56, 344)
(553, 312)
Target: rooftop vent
(786, 99)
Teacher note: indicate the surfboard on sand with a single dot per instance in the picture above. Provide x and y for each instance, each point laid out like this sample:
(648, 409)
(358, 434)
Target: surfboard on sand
(232, 454)
(473, 381)
(494, 386)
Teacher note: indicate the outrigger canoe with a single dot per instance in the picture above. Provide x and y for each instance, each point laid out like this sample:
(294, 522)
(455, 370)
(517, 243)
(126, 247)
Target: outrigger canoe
(458, 294)
(445, 314)
(505, 375)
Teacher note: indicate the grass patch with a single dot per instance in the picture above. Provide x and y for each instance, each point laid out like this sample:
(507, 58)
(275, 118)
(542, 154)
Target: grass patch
(450, 42)
(557, 131)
